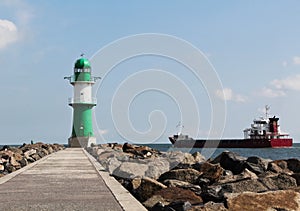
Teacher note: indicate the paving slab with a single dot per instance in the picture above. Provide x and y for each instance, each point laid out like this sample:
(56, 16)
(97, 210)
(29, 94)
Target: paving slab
(65, 180)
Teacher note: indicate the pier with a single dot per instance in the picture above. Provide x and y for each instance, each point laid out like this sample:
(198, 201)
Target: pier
(70, 179)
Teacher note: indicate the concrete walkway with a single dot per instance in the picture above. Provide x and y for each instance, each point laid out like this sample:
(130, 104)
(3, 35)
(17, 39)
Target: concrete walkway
(66, 180)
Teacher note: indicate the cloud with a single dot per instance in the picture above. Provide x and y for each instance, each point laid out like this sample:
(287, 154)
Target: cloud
(8, 33)
(296, 60)
(279, 87)
(271, 93)
(228, 95)
(289, 83)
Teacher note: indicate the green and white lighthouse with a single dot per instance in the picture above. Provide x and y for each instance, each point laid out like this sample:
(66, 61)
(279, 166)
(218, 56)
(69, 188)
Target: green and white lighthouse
(82, 103)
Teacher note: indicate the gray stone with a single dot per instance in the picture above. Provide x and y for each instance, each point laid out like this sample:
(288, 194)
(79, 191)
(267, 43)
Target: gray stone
(231, 161)
(130, 170)
(157, 167)
(185, 185)
(280, 182)
(243, 186)
(187, 175)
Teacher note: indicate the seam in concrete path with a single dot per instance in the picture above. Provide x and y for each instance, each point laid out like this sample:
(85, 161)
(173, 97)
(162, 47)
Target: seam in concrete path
(125, 199)
(19, 171)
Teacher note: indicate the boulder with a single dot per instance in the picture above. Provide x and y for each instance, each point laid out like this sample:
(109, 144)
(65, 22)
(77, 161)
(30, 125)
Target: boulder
(230, 161)
(14, 163)
(296, 176)
(36, 156)
(29, 153)
(198, 157)
(256, 165)
(156, 167)
(179, 206)
(155, 202)
(9, 168)
(187, 175)
(293, 165)
(246, 174)
(243, 186)
(209, 206)
(1, 167)
(130, 170)
(283, 200)
(23, 162)
(212, 193)
(213, 172)
(177, 157)
(185, 185)
(280, 182)
(147, 188)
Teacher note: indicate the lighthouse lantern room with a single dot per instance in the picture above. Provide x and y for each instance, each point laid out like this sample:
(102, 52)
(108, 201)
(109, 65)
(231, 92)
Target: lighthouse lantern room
(82, 103)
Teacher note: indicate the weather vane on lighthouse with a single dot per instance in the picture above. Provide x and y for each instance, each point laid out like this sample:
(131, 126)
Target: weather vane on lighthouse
(82, 103)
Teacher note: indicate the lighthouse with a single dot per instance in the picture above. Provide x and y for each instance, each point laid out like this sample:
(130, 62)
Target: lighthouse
(82, 103)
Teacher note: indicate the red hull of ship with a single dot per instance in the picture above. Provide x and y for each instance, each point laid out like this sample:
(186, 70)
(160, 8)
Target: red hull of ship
(233, 143)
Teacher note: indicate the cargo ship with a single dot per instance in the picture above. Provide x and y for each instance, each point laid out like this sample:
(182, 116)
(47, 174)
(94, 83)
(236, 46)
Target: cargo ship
(264, 132)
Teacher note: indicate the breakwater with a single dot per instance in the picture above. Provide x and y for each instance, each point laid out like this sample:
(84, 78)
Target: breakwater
(14, 158)
(183, 181)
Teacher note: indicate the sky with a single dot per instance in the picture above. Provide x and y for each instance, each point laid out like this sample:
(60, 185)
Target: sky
(251, 48)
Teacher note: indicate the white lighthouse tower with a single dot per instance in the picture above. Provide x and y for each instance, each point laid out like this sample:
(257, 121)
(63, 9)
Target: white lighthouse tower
(82, 103)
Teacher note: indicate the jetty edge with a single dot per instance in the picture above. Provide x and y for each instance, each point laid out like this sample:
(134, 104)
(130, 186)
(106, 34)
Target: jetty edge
(183, 181)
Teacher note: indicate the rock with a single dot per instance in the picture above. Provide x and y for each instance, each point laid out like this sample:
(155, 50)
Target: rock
(111, 164)
(36, 156)
(213, 172)
(209, 206)
(179, 206)
(147, 188)
(175, 194)
(198, 157)
(30, 160)
(130, 170)
(256, 165)
(187, 175)
(296, 176)
(293, 165)
(274, 168)
(185, 185)
(14, 163)
(243, 186)
(29, 153)
(212, 193)
(246, 174)
(155, 202)
(284, 200)
(230, 161)
(177, 157)
(1, 167)
(156, 167)
(10, 168)
(23, 162)
(140, 151)
(280, 182)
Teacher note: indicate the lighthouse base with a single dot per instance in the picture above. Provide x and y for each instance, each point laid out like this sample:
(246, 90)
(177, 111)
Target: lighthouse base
(81, 142)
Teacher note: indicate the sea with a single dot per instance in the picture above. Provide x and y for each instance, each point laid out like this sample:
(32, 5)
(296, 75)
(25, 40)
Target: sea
(267, 153)
(210, 153)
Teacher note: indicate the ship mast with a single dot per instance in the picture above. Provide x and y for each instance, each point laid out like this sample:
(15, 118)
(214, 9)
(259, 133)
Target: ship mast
(180, 127)
(267, 108)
